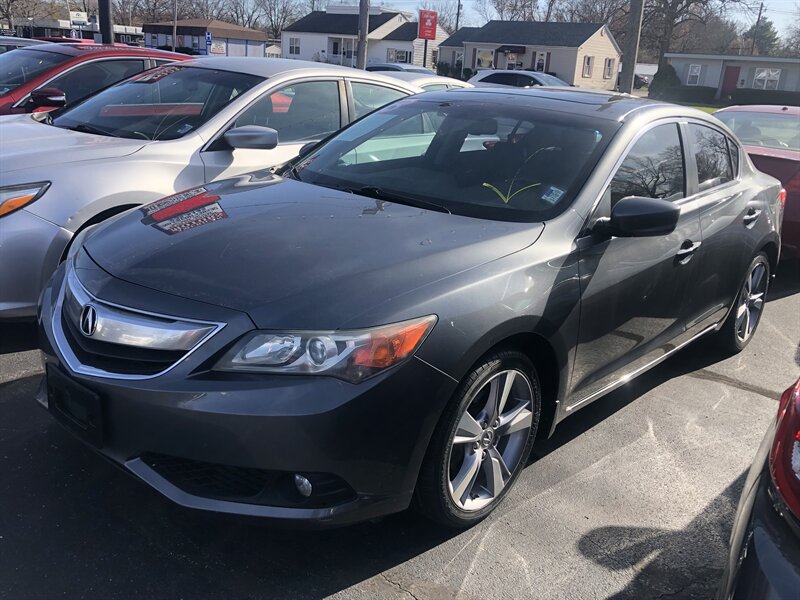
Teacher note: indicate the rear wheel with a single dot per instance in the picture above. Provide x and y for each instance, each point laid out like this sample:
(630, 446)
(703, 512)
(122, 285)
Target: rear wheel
(743, 320)
(482, 442)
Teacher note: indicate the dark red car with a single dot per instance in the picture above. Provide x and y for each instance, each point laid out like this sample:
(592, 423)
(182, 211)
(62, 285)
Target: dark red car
(31, 77)
(771, 136)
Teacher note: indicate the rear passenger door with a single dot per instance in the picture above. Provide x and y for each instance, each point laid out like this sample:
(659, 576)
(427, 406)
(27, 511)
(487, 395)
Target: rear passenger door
(727, 219)
(366, 97)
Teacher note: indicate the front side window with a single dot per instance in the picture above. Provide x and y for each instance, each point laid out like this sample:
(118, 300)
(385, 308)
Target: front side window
(294, 45)
(693, 76)
(85, 80)
(653, 168)
(766, 79)
(162, 104)
(22, 65)
(588, 65)
(608, 68)
(299, 113)
(526, 81)
(513, 164)
(368, 97)
(711, 155)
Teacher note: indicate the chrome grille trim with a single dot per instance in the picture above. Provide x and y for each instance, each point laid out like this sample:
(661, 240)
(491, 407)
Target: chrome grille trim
(125, 326)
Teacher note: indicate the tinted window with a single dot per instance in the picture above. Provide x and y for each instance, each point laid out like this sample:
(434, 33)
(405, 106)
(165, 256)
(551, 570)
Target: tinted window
(513, 163)
(23, 65)
(711, 155)
(653, 168)
(368, 97)
(162, 104)
(300, 112)
(526, 80)
(501, 78)
(85, 80)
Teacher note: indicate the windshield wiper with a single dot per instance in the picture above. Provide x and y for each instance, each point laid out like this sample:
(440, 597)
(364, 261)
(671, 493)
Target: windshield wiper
(85, 128)
(377, 193)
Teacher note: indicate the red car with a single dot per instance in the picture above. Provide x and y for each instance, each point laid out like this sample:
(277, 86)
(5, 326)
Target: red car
(32, 77)
(771, 136)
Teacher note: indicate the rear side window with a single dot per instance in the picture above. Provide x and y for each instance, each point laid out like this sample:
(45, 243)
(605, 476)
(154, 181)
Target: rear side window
(368, 97)
(712, 156)
(653, 168)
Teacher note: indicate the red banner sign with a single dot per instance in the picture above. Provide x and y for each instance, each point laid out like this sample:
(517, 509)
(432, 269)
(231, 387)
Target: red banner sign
(427, 24)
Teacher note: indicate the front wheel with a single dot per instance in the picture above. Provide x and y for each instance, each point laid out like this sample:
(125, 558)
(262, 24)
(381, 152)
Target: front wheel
(482, 442)
(745, 315)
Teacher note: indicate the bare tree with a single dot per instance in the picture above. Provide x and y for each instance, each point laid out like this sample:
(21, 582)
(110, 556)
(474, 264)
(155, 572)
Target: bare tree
(277, 14)
(19, 8)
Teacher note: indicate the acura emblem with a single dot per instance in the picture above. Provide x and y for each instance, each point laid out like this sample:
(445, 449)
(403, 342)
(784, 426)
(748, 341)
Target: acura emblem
(88, 320)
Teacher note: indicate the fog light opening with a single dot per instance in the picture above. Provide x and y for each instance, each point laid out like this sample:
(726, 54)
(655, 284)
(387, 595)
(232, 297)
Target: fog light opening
(303, 485)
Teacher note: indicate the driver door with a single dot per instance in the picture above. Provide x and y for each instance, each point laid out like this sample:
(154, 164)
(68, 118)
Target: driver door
(300, 112)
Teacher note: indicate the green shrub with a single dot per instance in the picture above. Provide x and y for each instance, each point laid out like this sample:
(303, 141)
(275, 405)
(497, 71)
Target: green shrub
(665, 78)
(467, 73)
(689, 93)
(443, 68)
(750, 96)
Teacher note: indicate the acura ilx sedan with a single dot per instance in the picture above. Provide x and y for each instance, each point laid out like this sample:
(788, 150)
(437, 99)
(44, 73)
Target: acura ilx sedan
(171, 128)
(395, 315)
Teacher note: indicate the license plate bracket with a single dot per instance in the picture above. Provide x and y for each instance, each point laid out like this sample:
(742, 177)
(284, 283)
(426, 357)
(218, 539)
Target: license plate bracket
(76, 406)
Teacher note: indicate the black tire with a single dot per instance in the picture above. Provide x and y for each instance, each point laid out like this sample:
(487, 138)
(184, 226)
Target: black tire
(432, 496)
(729, 338)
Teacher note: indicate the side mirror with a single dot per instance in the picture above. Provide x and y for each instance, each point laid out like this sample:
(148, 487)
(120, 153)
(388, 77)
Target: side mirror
(306, 149)
(252, 137)
(636, 216)
(47, 97)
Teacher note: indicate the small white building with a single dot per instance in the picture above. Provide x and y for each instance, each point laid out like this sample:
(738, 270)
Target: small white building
(331, 36)
(226, 39)
(729, 72)
(582, 54)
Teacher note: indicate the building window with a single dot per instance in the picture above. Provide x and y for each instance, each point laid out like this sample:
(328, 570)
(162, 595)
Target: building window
(335, 48)
(766, 79)
(693, 77)
(434, 56)
(608, 68)
(588, 65)
(484, 59)
(294, 45)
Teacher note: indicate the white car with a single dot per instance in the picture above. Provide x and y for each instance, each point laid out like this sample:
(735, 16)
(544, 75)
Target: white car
(169, 129)
(429, 83)
(515, 78)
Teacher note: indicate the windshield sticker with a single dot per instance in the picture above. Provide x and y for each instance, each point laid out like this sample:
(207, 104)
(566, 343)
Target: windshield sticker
(185, 128)
(552, 195)
(191, 219)
(175, 205)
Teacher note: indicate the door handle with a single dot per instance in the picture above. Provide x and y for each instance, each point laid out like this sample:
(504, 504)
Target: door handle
(751, 217)
(687, 250)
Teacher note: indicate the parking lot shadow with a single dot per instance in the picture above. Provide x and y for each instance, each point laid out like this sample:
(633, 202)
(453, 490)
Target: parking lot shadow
(685, 563)
(787, 280)
(17, 336)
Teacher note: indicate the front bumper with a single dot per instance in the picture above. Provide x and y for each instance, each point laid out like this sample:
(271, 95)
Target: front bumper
(31, 248)
(764, 559)
(370, 438)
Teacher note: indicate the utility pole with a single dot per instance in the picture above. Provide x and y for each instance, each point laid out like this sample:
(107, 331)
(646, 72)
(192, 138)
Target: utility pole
(174, 25)
(363, 30)
(106, 28)
(631, 46)
(458, 13)
(755, 30)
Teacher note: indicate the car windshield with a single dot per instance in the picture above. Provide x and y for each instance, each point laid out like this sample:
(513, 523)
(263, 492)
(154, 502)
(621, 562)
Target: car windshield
(162, 104)
(22, 65)
(519, 164)
(772, 130)
(551, 80)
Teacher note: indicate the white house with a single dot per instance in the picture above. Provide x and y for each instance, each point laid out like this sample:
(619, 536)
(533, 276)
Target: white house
(728, 72)
(330, 36)
(582, 54)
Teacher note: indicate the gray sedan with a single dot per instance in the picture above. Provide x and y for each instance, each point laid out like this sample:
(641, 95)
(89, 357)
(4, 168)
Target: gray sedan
(169, 129)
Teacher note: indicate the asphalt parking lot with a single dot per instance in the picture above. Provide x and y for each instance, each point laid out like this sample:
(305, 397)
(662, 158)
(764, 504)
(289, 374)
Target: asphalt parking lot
(632, 498)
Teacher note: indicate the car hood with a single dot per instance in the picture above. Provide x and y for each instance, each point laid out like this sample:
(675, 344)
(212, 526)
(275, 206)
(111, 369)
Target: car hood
(26, 142)
(292, 254)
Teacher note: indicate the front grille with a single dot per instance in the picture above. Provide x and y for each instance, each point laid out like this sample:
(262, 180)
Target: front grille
(248, 485)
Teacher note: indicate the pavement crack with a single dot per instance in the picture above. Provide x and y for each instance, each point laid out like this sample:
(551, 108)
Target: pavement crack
(734, 383)
(398, 586)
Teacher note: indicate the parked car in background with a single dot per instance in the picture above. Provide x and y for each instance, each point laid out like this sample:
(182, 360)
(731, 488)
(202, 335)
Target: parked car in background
(172, 128)
(429, 83)
(771, 136)
(369, 325)
(8, 43)
(54, 75)
(764, 560)
(515, 78)
(400, 67)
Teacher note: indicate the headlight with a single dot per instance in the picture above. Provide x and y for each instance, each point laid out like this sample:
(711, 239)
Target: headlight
(14, 197)
(350, 355)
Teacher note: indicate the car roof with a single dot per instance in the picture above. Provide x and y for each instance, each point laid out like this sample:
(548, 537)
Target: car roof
(423, 78)
(18, 41)
(612, 106)
(271, 67)
(72, 49)
(764, 108)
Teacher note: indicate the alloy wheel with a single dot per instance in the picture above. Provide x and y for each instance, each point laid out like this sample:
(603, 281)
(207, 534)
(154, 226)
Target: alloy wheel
(751, 301)
(487, 446)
